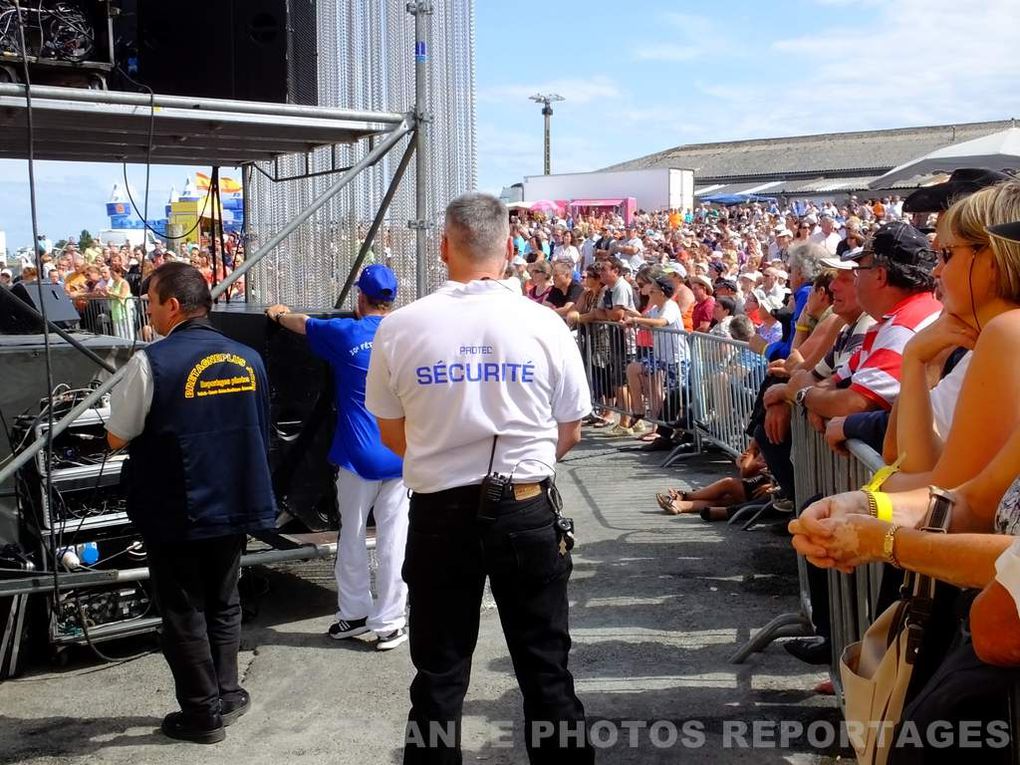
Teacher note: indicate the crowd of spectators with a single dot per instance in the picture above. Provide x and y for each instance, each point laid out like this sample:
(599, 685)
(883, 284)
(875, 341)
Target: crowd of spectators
(104, 280)
(891, 322)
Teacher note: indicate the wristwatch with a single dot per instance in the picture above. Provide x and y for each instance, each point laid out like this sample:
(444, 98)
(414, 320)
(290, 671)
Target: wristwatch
(801, 396)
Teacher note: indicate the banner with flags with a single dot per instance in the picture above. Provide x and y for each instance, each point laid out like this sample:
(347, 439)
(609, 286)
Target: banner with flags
(227, 185)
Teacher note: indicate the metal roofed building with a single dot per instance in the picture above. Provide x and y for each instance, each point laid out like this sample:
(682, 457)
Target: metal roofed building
(824, 165)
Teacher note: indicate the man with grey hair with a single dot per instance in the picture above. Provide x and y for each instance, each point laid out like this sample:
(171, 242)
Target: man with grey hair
(805, 265)
(482, 391)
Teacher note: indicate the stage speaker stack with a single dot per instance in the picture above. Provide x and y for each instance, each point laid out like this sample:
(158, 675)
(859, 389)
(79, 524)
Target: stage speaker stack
(301, 409)
(252, 50)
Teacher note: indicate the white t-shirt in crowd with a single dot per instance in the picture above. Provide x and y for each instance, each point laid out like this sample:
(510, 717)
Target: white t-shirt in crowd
(1007, 571)
(568, 252)
(669, 346)
(588, 252)
(945, 395)
(469, 362)
(830, 242)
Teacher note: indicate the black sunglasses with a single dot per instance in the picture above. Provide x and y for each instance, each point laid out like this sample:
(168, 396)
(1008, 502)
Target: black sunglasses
(946, 253)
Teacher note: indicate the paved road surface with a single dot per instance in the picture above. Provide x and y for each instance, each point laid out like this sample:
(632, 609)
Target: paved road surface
(658, 605)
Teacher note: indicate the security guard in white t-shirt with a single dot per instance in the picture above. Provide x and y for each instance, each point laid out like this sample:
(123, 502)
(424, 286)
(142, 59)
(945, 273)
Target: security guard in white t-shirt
(481, 391)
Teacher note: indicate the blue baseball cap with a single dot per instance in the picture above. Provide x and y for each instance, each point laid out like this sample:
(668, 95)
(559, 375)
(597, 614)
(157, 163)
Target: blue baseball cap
(378, 282)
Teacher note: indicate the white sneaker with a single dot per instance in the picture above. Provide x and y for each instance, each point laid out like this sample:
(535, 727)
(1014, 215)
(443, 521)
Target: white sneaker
(392, 640)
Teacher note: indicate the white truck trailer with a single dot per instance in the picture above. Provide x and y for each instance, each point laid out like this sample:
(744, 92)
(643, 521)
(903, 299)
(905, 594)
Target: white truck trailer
(654, 189)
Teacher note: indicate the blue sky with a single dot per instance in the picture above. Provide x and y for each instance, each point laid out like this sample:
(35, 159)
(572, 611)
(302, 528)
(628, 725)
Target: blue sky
(641, 76)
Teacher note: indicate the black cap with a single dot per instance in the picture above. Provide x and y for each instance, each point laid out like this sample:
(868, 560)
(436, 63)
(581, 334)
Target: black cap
(899, 242)
(665, 284)
(961, 183)
(1010, 231)
(727, 283)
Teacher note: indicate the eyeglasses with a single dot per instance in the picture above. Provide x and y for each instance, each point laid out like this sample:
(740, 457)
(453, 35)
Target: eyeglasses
(946, 253)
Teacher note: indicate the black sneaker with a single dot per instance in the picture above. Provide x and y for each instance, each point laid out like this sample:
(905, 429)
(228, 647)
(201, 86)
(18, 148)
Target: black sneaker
(392, 640)
(179, 726)
(233, 708)
(341, 629)
(811, 650)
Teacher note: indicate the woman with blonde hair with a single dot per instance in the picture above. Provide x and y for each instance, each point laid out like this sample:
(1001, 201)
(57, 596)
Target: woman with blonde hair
(979, 275)
(946, 435)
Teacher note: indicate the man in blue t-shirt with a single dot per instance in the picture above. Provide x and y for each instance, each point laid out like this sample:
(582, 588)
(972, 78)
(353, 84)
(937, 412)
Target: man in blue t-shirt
(370, 475)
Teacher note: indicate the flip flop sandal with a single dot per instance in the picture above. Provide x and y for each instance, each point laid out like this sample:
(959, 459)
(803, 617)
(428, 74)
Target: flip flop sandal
(603, 424)
(667, 499)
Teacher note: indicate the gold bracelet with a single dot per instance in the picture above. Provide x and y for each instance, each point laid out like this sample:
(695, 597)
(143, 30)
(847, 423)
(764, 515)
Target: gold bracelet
(872, 503)
(889, 545)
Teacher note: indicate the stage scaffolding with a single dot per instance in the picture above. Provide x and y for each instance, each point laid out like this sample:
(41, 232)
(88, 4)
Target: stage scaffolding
(331, 198)
(365, 63)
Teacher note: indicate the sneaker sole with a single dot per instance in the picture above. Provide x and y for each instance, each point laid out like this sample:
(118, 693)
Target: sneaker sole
(352, 633)
(389, 645)
(211, 737)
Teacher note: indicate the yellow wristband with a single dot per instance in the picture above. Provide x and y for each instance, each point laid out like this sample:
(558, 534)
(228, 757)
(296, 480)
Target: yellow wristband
(883, 474)
(883, 506)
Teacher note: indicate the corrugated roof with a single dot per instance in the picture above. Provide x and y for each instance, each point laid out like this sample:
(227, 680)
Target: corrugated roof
(829, 155)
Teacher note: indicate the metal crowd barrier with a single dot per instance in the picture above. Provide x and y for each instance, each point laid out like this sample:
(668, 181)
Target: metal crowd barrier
(852, 597)
(653, 364)
(725, 378)
(697, 383)
(118, 317)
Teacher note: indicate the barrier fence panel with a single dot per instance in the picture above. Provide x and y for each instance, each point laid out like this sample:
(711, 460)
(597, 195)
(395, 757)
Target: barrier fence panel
(693, 382)
(822, 472)
(725, 377)
(852, 598)
(118, 317)
(652, 365)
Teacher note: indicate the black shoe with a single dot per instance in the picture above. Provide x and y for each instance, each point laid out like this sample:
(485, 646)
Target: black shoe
(812, 650)
(234, 707)
(179, 726)
(345, 629)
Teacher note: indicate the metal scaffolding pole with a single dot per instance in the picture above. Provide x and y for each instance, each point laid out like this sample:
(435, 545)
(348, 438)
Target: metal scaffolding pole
(421, 9)
(208, 104)
(43, 581)
(59, 427)
(376, 223)
(369, 159)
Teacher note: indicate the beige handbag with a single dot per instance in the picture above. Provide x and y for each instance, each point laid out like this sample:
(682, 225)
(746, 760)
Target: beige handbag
(876, 671)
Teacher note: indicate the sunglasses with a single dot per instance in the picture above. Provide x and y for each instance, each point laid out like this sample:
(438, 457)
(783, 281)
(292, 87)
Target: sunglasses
(946, 253)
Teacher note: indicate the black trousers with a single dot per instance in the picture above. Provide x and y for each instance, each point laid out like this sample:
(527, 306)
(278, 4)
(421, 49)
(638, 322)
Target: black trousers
(777, 457)
(452, 545)
(963, 688)
(195, 585)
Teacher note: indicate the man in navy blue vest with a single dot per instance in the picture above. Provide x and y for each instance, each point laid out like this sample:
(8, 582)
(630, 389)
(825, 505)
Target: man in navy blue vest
(193, 410)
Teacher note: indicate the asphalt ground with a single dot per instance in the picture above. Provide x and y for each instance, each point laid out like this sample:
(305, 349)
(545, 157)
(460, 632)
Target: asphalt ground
(658, 605)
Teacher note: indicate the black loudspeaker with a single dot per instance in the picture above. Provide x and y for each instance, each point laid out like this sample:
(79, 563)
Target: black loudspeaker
(16, 320)
(253, 50)
(302, 412)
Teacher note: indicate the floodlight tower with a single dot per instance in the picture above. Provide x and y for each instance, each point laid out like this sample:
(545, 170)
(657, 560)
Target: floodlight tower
(547, 100)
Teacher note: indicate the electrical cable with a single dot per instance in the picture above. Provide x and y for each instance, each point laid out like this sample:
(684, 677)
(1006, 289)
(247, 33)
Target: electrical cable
(148, 166)
(83, 622)
(39, 272)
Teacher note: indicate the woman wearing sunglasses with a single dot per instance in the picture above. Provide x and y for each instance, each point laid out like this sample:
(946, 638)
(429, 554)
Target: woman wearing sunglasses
(951, 431)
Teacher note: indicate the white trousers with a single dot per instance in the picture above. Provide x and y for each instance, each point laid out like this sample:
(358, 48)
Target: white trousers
(357, 496)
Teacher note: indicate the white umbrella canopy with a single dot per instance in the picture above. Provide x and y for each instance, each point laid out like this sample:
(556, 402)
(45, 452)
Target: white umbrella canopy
(997, 151)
